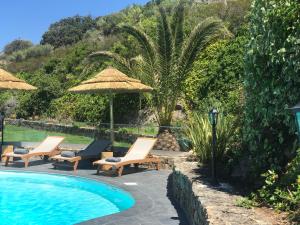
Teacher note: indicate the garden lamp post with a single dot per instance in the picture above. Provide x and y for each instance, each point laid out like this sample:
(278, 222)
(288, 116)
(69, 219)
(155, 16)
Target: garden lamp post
(296, 111)
(213, 119)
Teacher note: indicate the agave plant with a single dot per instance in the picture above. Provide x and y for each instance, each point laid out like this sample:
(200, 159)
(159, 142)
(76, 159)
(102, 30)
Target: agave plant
(199, 131)
(166, 60)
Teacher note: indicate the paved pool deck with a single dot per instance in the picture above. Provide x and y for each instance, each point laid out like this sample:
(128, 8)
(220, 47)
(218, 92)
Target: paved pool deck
(150, 188)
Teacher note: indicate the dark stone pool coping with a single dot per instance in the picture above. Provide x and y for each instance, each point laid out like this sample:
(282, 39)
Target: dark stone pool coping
(153, 205)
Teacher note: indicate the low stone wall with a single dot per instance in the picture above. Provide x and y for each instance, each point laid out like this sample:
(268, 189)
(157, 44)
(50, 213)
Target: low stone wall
(166, 141)
(184, 194)
(205, 204)
(69, 129)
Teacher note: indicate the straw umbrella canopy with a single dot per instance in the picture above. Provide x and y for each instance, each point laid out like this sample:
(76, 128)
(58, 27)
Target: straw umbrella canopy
(10, 82)
(111, 81)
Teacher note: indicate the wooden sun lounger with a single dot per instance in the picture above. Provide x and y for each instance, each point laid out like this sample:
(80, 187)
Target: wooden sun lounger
(48, 147)
(92, 151)
(74, 160)
(137, 154)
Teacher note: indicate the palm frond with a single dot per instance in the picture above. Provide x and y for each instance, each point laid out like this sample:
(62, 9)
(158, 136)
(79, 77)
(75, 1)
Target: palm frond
(122, 63)
(177, 28)
(164, 41)
(145, 42)
(143, 70)
(202, 35)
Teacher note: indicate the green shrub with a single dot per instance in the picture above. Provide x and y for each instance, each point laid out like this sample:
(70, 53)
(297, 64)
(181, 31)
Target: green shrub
(199, 132)
(31, 52)
(282, 191)
(272, 84)
(217, 77)
(234, 15)
(37, 103)
(246, 203)
(17, 45)
(89, 108)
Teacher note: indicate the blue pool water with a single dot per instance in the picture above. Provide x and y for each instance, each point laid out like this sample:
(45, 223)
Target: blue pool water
(38, 199)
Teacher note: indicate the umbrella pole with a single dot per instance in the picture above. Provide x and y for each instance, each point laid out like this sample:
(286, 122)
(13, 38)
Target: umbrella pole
(111, 106)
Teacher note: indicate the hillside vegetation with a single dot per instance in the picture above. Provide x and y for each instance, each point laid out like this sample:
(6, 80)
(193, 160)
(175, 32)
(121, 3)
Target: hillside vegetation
(250, 73)
(61, 62)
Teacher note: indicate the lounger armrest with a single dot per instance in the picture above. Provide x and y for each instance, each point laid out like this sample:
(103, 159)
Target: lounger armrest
(98, 162)
(59, 157)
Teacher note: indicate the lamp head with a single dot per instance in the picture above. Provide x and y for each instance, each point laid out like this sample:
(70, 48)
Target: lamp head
(296, 111)
(213, 116)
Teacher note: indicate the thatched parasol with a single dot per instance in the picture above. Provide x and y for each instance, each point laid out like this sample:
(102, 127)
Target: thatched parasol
(10, 82)
(111, 81)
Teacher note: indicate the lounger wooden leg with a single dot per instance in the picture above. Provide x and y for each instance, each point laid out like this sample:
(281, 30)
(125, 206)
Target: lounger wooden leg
(120, 171)
(7, 160)
(136, 166)
(157, 166)
(75, 166)
(98, 169)
(26, 161)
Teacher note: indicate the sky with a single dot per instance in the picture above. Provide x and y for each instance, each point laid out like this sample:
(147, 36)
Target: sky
(29, 19)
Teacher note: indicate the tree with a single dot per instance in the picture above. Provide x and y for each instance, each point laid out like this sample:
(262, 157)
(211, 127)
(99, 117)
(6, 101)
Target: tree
(17, 45)
(166, 60)
(68, 31)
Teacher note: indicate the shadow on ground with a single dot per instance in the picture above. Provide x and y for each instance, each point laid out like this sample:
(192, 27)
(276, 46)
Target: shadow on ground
(203, 175)
(181, 216)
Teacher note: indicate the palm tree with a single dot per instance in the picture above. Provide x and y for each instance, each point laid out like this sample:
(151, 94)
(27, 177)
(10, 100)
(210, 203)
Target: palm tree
(166, 60)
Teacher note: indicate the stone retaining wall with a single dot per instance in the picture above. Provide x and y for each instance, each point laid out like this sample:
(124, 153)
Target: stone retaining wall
(166, 141)
(69, 129)
(204, 204)
(184, 194)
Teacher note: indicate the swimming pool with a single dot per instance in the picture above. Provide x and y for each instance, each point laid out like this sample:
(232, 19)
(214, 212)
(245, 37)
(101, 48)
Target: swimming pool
(37, 199)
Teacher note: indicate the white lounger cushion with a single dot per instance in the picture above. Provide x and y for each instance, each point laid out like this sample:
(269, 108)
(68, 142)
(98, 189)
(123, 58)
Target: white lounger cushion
(140, 149)
(48, 144)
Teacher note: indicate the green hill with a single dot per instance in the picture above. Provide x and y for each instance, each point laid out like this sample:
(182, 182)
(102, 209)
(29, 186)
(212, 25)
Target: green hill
(60, 61)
